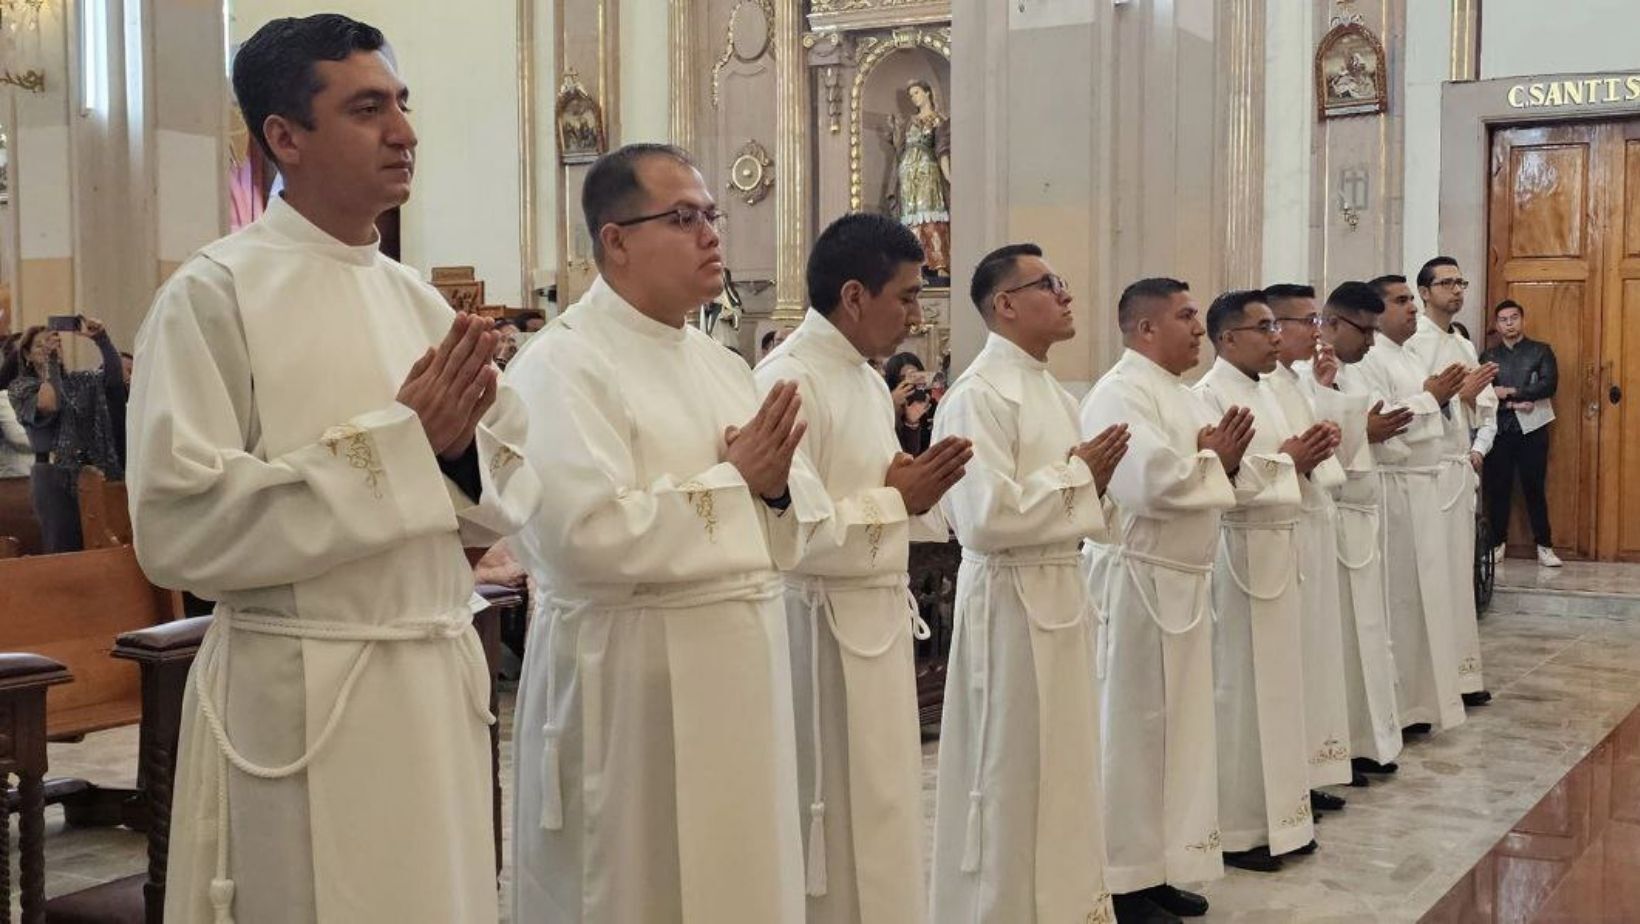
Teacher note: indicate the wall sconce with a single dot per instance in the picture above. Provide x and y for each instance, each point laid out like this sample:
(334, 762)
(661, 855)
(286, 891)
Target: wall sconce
(1352, 195)
(19, 17)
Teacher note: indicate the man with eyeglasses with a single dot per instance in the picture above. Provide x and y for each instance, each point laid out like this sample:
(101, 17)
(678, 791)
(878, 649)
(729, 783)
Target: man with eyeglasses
(1527, 374)
(1470, 424)
(655, 745)
(1018, 828)
(1417, 563)
(1151, 581)
(1339, 392)
(849, 614)
(1326, 712)
(1258, 645)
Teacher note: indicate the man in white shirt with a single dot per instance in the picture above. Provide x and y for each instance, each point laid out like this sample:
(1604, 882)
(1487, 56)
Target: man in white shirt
(1018, 832)
(1151, 582)
(334, 763)
(849, 612)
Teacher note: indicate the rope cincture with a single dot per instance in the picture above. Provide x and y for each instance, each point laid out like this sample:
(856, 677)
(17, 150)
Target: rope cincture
(455, 625)
(1284, 526)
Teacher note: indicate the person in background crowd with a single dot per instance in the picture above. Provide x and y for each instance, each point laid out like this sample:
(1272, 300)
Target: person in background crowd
(914, 404)
(16, 454)
(1527, 375)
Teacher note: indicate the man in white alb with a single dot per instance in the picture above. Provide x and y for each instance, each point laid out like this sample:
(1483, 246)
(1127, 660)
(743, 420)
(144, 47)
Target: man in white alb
(655, 761)
(1150, 582)
(848, 607)
(1018, 832)
(314, 437)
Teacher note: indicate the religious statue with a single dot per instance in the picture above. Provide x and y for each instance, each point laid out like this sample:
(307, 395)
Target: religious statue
(922, 152)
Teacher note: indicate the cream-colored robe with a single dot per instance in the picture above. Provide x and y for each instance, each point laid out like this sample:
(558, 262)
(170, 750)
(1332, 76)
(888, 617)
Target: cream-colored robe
(655, 761)
(1326, 702)
(1258, 642)
(1413, 541)
(1018, 836)
(1464, 429)
(271, 470)
(1152, 585)
(1369, 665)
(850, 618)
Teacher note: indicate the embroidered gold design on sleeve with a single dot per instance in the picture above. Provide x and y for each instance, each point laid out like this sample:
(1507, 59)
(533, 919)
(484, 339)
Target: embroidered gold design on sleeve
(503, 457)
(1067, 491)
(355, 445)
(874, 526)
(701, 497)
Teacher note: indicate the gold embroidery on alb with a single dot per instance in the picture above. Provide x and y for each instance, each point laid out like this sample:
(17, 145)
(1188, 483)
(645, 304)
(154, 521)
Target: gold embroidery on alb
(1212, 843)
(360, 454)
(1104, 913)
(1469, 666)
(701, 497)
(1299, 817)
(874, 526)
(1332, 751)
(503, 457)
(1067, 492)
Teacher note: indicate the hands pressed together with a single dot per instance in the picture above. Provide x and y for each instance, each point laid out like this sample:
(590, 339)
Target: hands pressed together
(763, 447)
(453, 385)
(1229, 438)
(1103, 453)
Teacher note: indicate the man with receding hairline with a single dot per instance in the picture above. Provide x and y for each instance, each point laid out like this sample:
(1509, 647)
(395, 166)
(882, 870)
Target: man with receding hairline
(655, 747)
(1156, 666)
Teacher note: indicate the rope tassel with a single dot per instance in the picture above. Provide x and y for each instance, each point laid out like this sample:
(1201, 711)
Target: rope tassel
(222, 900)
(817, 849)
(552, 797)
(970, 844)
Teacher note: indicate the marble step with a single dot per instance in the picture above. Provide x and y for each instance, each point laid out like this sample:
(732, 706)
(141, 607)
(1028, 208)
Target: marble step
(1579, 589)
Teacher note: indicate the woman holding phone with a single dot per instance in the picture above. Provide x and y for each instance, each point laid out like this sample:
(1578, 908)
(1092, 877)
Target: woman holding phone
(913, 404)
(70, 420)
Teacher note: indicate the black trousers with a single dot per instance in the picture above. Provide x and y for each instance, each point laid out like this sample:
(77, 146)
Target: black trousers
(1529, 455)
(55, 490)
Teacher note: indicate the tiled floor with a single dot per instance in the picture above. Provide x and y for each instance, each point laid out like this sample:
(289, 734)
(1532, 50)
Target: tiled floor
(1562, 683)
(1575, 577)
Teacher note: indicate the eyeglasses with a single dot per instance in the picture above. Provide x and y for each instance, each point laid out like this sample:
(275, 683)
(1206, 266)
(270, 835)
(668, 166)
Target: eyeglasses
(1313, 320)
(1048, 283)
(1455, 282)
(684, 218)
(1263, 327)
(1368, 329)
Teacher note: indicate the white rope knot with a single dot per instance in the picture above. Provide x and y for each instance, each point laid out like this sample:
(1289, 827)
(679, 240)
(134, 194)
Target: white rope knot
(817, 849)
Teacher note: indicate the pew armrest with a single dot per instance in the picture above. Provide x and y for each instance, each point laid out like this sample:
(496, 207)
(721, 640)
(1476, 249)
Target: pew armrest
(178, 640)
(19, 672)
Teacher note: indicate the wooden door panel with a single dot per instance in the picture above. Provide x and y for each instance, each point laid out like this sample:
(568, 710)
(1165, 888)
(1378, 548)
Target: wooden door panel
(1625, 373)
(1555, 314)
(1631, 199)
(1548, 199)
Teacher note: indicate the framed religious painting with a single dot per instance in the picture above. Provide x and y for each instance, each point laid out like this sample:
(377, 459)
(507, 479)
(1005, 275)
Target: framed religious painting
(1350, 77)
(580, 123)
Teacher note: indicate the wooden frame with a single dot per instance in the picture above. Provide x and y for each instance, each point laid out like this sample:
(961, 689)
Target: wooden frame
(1350, 76)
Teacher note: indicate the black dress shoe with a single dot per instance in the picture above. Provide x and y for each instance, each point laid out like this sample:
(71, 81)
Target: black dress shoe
(1477, 698)
(1325, 801)
(1308, 849)
(1177, 901)
(1135, 908)
(1358, 779)
(1368, 765)
(1417, 728)
(1257, 860)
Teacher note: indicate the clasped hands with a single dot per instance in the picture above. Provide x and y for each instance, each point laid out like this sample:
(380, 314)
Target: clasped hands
(453, 385)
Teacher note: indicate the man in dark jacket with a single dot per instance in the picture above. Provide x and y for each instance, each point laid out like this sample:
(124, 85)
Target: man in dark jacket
(1526, 374)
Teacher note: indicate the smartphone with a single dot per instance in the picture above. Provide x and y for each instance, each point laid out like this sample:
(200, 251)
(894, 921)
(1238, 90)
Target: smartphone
(64, 322)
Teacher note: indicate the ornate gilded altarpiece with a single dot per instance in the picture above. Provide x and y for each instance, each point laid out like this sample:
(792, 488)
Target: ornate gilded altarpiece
(878, 68)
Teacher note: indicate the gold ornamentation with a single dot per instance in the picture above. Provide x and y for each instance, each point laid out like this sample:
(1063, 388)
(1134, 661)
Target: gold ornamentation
(360, 454)
(752, 174)
(834, 97)
(874, 526)
(1332, 751)
(871, 50)
(1103, 913)
(31, 81)
(581, 137)
(1469, 666)
(1212, 843)
(842, 6)
(729, 49)
(1067, 491)
(701, 497)
(503, 457)
(1299, 817)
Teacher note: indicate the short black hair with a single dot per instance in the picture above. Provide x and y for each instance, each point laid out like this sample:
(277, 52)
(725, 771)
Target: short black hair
(767, 338)
(1229, 308)
(894, 369)
(867, 247)
(1356, 297)
(1381, 284)
(992, 269)
(274, 73)
(1130, 306)
(1426, 275)
(611, 190)
(1285, 290)
(1509, 303)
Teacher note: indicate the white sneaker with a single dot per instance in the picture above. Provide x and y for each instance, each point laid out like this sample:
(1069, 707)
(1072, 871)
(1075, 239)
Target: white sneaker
(1501, 552)
(1547, 557)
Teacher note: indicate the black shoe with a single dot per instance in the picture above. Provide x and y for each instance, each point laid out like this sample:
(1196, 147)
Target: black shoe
(1368, 765)
(1417, 728)
(1477, 698)
(1177, 901)
(1308, 849)
(1135, 908)
(1325, 801)
(1358, 779)
(1257, 860)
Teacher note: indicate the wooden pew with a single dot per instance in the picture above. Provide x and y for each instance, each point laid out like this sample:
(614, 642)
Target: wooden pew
(24, 679)
(70, 608)
(17, 515)
(105, 517)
